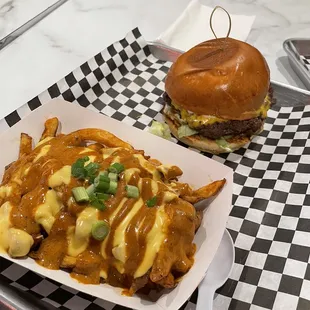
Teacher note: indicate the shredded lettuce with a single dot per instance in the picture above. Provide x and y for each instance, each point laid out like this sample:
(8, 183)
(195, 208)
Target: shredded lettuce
(185, 131)
(160, 129)
(223, 144)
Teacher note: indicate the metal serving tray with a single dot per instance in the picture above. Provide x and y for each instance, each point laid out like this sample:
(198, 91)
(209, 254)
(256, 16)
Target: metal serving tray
(285, 95)
(298, 50)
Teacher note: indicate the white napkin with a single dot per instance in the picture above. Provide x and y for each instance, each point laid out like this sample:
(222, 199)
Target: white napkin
(192, 27)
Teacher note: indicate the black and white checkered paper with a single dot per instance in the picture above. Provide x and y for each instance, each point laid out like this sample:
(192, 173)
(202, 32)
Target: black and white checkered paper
(270, 219)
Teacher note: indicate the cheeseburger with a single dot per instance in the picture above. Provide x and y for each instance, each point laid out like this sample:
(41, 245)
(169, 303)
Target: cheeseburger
(217, 95)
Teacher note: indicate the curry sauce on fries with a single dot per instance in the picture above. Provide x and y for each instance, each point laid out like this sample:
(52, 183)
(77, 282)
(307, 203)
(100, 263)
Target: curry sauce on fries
(92, 204)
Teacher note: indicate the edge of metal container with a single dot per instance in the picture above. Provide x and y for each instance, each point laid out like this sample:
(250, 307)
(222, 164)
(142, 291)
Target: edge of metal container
(296, 61)
(285, 95)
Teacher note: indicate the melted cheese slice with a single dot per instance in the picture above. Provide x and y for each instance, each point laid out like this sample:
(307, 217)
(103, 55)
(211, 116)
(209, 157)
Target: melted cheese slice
(194, 120)
(62, 176)
(46, 212)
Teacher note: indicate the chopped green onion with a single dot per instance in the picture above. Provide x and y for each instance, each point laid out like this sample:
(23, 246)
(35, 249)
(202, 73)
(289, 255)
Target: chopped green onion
(103, 196)
(151, 202)
(102, 178)
(132, 191)
(102, 183)
(113, 188)
(113, 176)
(96, 202)
(102, 187)
(77, 169)
(116, 168)
(90, 189)
(92, 168)
(100, 230)
(104, 173)
(80, 194)
(88, 172)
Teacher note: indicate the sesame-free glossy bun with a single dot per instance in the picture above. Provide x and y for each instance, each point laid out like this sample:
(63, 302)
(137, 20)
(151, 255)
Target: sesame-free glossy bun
(225, 77)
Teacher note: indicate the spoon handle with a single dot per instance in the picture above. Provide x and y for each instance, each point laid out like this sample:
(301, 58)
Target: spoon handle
(205, 297)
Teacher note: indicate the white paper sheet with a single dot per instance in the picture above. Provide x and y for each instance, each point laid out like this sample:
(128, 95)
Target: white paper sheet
(192, 27)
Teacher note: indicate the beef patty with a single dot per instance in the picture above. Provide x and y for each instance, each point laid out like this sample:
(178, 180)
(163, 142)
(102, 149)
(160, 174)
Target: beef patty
(217, 130)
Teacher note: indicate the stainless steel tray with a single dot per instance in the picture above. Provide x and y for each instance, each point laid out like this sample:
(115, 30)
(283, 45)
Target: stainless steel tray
(285, 95)
(297, 49)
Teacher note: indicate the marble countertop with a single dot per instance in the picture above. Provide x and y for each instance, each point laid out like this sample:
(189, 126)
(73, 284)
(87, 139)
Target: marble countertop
(80, 29)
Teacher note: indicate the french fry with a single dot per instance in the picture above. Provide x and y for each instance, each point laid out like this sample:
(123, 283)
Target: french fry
(50, 128)
(208, 191)
(97, 135)
(25, 146)
(154, 162)
(95, 146)
(68, 262)
(8, 166)
(170, 172)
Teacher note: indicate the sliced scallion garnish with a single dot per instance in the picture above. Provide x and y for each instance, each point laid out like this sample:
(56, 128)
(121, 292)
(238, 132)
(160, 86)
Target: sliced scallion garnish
(96, 202)
(132, 191)
(77, 169)
(151, 202)
(102, 196)
(102, 183)
(113, 176)
(100, 230)
(80, 194)
(112, 188)
(116, 168)
(90, 189)
(88, 172)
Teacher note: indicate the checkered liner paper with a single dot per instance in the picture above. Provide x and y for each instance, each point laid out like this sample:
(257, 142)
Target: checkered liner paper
(270, 219)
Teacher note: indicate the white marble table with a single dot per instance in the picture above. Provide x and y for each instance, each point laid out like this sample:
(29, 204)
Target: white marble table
(81, 28)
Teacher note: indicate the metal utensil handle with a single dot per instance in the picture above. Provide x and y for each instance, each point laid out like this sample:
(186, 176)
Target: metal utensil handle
(19, 31)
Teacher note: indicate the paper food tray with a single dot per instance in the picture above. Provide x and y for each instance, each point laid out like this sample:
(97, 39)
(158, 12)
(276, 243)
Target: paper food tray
(198, 170)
